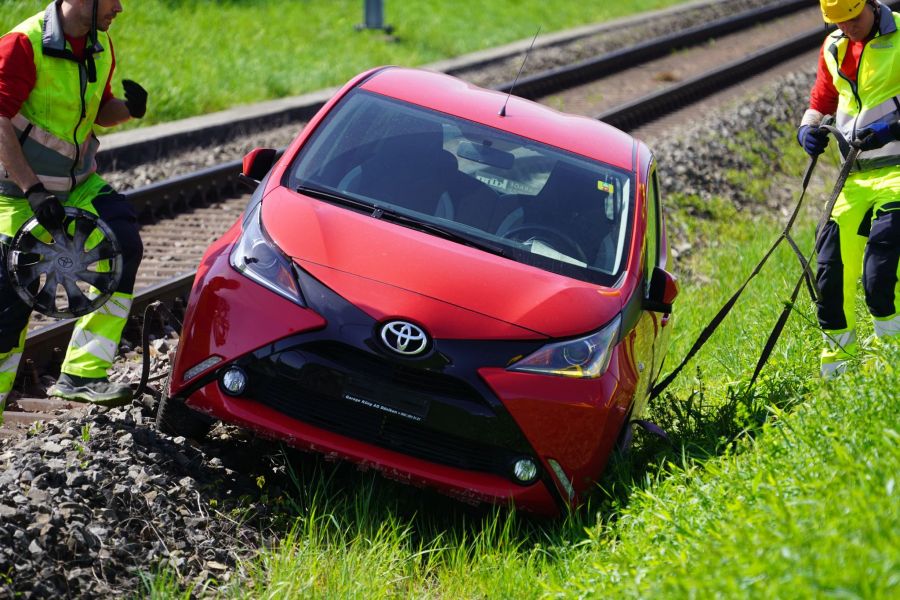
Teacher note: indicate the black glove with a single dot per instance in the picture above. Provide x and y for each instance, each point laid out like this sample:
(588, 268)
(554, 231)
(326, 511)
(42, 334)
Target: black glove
(813, 139)
(47, 208)
(878, 134)
(135, 98)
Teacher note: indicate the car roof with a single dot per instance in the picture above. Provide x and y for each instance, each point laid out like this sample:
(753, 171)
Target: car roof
(448, 94)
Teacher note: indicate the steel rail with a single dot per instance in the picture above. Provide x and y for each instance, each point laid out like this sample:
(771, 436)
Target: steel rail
(643, 110)
(44, 346)
(568, 76)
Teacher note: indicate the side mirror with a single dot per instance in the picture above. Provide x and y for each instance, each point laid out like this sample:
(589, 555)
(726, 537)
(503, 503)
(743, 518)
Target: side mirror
(256, 165)
(662, 292)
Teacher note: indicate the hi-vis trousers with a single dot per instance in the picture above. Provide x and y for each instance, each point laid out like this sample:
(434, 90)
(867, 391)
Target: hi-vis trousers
(862, 238)
(96, 337)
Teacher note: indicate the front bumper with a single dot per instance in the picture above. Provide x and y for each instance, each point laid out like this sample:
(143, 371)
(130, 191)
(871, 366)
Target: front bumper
(455, 420)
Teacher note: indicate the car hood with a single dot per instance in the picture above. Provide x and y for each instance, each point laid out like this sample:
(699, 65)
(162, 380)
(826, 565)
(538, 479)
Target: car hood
(454, 290)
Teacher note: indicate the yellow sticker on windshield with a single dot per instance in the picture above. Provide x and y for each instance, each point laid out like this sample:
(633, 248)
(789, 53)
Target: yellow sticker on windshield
(603, 186)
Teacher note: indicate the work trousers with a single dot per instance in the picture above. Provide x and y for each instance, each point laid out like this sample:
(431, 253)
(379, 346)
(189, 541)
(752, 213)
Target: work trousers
(862, 238)
(96, 337)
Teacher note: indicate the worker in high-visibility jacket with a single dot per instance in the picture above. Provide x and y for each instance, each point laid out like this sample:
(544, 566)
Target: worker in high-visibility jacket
(55, 86)
(858, 81)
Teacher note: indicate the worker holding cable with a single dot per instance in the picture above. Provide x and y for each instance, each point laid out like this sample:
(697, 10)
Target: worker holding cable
(858, 81)
(55, 85)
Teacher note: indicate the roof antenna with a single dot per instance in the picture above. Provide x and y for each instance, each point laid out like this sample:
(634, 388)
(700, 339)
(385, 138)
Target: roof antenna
(524, 60)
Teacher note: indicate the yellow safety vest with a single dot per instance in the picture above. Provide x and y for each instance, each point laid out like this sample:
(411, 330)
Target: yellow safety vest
(875, 95)
(56, 123)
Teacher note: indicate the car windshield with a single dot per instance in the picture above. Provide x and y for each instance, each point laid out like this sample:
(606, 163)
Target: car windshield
(537, 204)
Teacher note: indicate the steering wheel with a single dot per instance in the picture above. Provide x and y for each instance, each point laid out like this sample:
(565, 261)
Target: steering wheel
(39, 262)
(563, 243)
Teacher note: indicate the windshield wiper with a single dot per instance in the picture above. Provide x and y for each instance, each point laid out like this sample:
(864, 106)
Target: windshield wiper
(447, 234)
(395, 217)
(336, 198)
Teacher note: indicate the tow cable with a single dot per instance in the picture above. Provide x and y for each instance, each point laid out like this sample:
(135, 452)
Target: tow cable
(806, 274)
(155, 307)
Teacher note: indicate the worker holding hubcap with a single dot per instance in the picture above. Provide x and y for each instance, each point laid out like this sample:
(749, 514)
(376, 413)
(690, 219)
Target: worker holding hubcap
(55, 85)
(858, 81)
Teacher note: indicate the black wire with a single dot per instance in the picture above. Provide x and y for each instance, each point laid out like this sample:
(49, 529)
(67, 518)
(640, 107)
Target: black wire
(145, 346)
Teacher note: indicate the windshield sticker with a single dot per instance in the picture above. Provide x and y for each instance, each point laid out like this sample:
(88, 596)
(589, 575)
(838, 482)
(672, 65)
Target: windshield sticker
(495, 182)
(603, 186)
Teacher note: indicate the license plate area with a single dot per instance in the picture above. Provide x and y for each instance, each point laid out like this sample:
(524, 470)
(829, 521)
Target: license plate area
(406, 404)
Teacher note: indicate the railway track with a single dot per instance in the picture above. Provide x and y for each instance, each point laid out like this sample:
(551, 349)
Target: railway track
(181, 215)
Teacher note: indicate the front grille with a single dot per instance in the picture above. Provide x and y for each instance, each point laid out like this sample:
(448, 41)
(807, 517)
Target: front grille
(371, 366)
(380, 429)
(310, 383)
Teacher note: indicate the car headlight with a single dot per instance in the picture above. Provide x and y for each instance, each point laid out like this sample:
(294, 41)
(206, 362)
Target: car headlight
(257, 257)
(585, 357)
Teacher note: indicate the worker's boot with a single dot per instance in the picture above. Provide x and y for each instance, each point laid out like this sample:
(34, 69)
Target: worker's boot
(94, 390)
(839, 348)
(886, 328)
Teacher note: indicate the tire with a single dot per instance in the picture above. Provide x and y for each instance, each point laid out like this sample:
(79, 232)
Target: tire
(176, 419)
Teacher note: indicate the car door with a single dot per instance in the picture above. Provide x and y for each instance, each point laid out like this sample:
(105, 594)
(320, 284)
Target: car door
(653, 327)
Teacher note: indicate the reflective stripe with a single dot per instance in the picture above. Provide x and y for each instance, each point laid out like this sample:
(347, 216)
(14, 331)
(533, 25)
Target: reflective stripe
(839, 348)
(9, 366)
(836, 342)
(61, 186)
(45, 138)
(117, 306)
(56, 121)
(96, 338)
(95, 345)
(52, 159)
(11, 363)
(833, 369)
(887, 327)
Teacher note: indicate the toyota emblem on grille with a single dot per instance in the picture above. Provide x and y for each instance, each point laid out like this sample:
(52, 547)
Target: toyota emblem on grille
(404, 338)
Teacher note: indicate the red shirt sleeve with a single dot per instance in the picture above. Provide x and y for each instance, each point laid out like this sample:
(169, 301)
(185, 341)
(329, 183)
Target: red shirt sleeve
(824, 95)
(17, 73)
(107, 91)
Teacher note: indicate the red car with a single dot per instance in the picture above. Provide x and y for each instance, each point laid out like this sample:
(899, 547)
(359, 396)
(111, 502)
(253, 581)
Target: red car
(458, 288)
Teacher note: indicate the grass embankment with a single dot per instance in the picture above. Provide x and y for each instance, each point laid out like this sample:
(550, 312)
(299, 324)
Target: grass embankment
(786, 491)
(201, 56)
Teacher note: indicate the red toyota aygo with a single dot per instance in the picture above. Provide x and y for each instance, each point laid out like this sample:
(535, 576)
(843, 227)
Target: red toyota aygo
(458, 288)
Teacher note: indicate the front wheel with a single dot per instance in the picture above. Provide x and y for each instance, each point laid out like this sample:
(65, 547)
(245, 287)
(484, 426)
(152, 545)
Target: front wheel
(176, 419)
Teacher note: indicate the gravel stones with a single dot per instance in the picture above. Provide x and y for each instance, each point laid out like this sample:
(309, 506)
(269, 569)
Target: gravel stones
(87, 506)
(693, 160)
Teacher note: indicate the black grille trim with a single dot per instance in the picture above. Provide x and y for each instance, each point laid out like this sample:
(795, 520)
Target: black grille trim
(381, 429)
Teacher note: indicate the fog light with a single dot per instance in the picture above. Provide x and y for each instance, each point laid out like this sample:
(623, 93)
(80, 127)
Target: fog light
(234, 380)
(525, 470)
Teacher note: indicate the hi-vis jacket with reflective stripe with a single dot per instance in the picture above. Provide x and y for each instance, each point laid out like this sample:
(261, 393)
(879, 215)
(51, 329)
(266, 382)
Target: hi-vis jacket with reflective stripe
(55, 124)
(874, 94)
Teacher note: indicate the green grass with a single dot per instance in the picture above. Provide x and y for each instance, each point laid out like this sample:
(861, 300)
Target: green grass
(196, 57)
